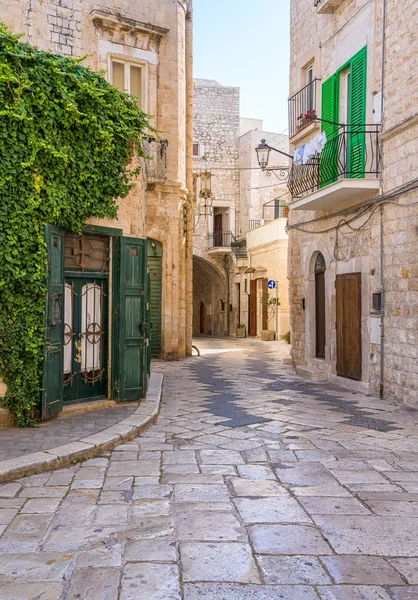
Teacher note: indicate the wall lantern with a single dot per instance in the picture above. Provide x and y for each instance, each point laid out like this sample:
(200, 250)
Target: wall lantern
(263, 154)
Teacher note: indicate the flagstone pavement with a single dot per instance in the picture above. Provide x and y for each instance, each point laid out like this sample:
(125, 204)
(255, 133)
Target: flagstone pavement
(253, 485)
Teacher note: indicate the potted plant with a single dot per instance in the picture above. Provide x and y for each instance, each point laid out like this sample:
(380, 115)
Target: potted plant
(306, 119)
(241, 331)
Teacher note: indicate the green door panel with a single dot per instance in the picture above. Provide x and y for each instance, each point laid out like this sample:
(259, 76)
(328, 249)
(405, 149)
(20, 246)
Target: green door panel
(149, 323)
(328, 172)
(155, 268)
(133, 325)
(356, 138)
(52, 384)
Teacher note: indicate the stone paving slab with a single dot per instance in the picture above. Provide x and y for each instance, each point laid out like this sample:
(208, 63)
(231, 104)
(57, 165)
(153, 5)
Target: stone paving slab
(267, 493)
(85, 447)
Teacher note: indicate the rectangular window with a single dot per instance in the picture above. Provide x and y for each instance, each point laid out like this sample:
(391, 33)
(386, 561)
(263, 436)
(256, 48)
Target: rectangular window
(309, 77)
(127, 77)
(195, 149)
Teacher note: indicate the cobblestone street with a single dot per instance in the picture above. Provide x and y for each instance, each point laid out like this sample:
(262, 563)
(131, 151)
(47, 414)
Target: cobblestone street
(253, 485)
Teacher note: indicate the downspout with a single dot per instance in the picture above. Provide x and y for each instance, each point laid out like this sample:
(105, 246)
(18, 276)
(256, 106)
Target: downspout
(382, 282)
(382, 310)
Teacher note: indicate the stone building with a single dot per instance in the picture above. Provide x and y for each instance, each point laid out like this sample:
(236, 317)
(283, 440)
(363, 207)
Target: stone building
(146, 49)
(263, 218)
(215, 149)
(244, 199)
(353, 220)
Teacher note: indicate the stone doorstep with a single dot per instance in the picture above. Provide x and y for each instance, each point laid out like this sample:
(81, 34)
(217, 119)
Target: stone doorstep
(312, 374)
(91, 446)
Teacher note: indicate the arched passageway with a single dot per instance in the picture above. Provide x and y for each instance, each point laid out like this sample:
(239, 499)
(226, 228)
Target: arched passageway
(209, 299)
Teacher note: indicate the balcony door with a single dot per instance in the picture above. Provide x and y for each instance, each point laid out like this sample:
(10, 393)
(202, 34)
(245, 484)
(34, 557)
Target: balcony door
(218, 230)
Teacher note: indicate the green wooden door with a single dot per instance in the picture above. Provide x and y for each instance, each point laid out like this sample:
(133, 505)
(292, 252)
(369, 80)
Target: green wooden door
(133, 325)
(356, 138)
(155, 268)
(149, 324)
(52, 393)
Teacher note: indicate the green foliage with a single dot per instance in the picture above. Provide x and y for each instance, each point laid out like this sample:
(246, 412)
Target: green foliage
(286, 337)
(66, 139)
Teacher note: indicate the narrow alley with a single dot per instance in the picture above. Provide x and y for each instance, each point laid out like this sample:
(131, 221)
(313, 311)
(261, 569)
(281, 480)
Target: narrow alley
(253, 485)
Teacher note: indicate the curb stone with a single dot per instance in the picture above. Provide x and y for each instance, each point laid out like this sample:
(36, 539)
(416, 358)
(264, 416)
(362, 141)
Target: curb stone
(89, 447)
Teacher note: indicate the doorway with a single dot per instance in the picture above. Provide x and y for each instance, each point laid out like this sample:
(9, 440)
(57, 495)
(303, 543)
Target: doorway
(320, 332)
(86, 294)
(349, 326)
(202, 318)
(218, 230)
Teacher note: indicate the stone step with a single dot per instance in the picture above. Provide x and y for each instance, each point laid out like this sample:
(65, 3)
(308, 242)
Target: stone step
(311, 373)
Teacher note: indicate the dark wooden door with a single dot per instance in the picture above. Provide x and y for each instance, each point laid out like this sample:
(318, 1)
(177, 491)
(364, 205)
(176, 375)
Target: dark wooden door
(218, 230)
(202, 318)
(320, 314)
(52, 386)
(349, 325)
(253, 308)
(264, 303)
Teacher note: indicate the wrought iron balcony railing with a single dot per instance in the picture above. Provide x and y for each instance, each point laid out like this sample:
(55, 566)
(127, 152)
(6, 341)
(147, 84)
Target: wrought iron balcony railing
(302, 108)
(353, 152)
(220, 239)
(155, 162)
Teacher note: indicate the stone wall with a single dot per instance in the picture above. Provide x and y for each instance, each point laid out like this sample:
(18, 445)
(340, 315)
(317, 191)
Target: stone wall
(331, 41)
(156, 34)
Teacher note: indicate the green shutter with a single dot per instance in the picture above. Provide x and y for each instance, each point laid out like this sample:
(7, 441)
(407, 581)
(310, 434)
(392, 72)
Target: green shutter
(155, 268)
(329, 112)
(133, 325)
(52, 384)
(356, 138)
(148, 321)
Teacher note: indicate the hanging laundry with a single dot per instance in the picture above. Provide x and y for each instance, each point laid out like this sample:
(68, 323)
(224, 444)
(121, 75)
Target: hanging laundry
(319, 141)
(298, 155)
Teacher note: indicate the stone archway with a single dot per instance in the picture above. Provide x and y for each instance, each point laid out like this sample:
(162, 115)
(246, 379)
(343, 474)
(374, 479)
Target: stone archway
(209, 291)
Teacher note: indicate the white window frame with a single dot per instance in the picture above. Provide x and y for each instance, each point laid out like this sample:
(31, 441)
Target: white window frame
(128, 61)
(201, 150)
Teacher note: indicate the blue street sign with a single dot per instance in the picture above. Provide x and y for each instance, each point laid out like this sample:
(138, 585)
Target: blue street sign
(271, 284)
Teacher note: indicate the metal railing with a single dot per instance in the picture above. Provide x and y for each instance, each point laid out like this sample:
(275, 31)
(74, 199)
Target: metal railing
(240, 251)
(220, 239)
(302, 108)
(155, 162)
(352, 152)
(253, 224)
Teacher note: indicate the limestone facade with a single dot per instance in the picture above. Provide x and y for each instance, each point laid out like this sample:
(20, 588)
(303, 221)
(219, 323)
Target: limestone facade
(154, 36)
(326, 37)
(216, 126)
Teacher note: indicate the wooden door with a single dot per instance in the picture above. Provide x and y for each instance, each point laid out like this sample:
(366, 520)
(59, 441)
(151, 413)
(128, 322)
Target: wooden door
(349, 325)
(202, 318)
(155, 268)
(320, 314)
(264, 303)
(133, 323)
(253, 308)
(218, 230)
(52, 384)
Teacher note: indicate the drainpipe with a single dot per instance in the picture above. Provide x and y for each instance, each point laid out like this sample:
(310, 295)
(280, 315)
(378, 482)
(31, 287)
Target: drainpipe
(382, 310)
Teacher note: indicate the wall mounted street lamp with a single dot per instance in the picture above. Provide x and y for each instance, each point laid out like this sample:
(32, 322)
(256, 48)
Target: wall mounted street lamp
(205, 202)
(263, 151)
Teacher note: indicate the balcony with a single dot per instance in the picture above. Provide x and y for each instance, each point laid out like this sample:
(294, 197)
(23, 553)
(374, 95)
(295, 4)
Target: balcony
(220, 242)
(347, 171)
(155, 161)
(302, 110)
(275, 209)
(327, 7)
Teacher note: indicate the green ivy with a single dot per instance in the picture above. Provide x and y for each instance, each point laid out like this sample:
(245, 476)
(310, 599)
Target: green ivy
(66, 139)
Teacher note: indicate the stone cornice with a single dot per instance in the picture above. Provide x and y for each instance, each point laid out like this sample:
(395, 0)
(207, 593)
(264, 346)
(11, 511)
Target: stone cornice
(103, 19)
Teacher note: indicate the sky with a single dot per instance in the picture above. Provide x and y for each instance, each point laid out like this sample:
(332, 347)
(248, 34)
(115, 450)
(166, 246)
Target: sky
(245, 43)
